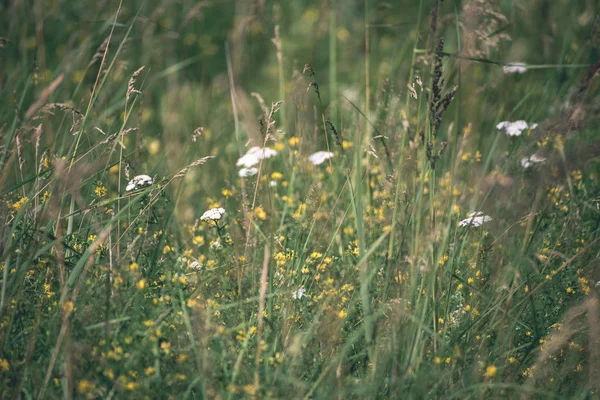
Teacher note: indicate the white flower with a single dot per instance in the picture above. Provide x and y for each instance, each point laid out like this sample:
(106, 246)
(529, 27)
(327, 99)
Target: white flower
(512, 68)
(527, 162)
(273, 183)
(298, 294)
(138, 182)
(319, 157)
(254, 155)
(515, 128)
(214, 214)
(475, 219)
(195, 265)
(244, 172)
(216, 245)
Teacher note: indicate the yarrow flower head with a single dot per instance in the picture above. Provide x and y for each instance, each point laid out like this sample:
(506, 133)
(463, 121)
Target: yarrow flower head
(244, 172)
(528, 162)
(216, 245)
(515, 68)
(319, 157)
(195, 266)
(515, 128)
(138, 182)
(214, 214)
(298, 294)
(254, 155)
(475, 219)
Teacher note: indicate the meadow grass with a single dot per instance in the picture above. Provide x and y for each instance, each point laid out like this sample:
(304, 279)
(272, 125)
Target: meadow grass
(166, 233)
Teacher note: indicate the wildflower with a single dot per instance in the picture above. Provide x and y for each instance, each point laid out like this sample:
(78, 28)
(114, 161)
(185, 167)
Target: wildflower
(294, 141)
(254, 155)
(17, 206)
(100, 190)
(244, 172)
(214, 214)
(85, 386)
(298, 294)
(138, 182)
(515, 128)
(527, 162)
(273, 183)
(475, 219)
(260, 213)
(319, 157)
(512, 68)
(490, 371)
(216, 245)
(195, 266)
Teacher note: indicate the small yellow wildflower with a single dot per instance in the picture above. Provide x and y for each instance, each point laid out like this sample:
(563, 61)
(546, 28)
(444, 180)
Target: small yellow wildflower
(17, 206)
(276, 176)
(490, 371)
(85, 386)
(294, 141)
(100, 190)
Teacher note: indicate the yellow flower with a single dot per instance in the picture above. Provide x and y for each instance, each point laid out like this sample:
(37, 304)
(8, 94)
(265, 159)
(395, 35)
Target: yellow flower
(3, 364)
(17, 206)
(182, 357)
(260, 213)
(226, 193)
(490, 371)
(154, 147)
(276, 176)
(85, 386)
(342, 314)
(250, 389)
(100, 190)
(294, 141)
(141, 284)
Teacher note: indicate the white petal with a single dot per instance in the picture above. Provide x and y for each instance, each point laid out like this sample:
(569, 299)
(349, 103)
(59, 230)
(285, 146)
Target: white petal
(319, 157)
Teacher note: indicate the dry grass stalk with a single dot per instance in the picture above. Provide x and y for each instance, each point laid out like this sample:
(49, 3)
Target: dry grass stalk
(44, 96)
(261, 309)
(131, 85)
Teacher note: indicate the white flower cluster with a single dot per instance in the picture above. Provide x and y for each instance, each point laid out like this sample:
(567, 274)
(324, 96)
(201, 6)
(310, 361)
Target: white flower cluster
(515, 128)
(528, 162)
(196, 266)
(475, 219)
(254, 155)
(244, 172)
(319, 157)
(214, 214)
(514, 68)
(138, 182)
(298, 294)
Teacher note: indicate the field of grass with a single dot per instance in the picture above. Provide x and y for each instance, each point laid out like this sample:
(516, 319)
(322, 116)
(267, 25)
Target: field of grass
(167, 230)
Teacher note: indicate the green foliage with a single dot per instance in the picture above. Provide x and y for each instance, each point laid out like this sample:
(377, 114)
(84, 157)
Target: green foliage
(363, 276)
